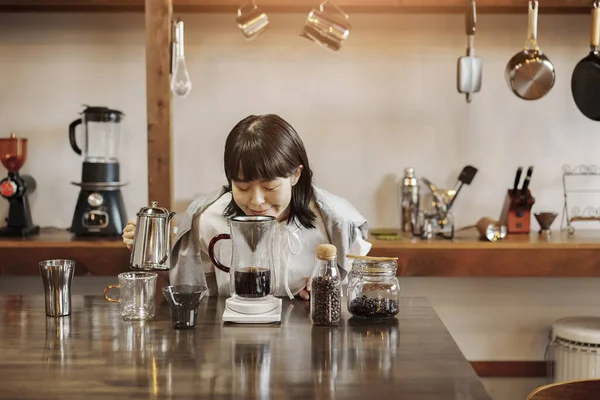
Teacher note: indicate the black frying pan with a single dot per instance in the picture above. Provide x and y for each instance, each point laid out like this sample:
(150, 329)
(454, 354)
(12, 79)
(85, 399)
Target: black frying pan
(585, 81)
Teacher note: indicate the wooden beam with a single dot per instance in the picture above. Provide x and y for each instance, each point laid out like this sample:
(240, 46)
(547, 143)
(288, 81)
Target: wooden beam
(158, 15)
(300, 6)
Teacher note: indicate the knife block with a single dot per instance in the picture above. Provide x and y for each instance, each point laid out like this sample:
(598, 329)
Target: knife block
(516, 211)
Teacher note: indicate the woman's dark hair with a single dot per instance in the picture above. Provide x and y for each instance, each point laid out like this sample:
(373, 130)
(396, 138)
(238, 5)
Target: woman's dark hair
(267, 147)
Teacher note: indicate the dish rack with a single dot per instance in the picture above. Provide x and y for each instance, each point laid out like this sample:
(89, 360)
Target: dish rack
(591, 194)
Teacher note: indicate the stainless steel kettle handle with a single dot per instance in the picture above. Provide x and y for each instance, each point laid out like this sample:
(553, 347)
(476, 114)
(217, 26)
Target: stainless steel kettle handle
(167, 239)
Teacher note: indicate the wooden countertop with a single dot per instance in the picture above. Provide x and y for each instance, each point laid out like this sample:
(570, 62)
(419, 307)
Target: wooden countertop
(529, 255)
(60, 238)
(94, 256)
(94, 354)
(468, 239)
(525, 255)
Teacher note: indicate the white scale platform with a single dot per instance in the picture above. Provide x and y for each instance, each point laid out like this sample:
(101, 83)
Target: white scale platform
(252, 311)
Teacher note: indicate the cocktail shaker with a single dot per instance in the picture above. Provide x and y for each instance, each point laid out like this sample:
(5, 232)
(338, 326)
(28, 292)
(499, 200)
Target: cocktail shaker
(409, 201)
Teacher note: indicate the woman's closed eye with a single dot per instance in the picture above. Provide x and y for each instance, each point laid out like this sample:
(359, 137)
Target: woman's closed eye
(241, 188)
(271, 188)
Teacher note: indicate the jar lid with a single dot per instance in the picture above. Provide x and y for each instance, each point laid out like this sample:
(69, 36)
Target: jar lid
(578, 329)
(326, 251)
(374, 264)
(372, 259)
(154, 211)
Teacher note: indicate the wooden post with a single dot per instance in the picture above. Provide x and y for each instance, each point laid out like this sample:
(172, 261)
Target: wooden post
(158, 15)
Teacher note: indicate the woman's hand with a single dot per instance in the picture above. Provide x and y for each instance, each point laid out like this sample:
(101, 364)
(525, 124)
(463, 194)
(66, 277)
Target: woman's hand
(305, 293)
(128, 233)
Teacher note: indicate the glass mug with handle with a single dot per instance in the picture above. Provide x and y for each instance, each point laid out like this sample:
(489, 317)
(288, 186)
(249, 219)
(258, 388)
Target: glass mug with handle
(328, 27)
(137, 295)
(251, 20)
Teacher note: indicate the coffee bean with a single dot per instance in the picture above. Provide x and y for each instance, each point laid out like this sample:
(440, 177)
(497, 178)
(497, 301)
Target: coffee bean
(368, 307)
(325, 300)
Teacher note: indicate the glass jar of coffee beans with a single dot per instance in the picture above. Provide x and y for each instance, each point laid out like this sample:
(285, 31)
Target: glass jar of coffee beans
(326, 288)
(373, 289)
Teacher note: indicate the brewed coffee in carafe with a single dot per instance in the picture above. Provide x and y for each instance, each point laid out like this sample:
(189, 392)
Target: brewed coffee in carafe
(251, 271)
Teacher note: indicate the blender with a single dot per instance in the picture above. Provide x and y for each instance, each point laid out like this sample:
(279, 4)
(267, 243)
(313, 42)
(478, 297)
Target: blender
(251, 272)
(100, 210)
(15, 188)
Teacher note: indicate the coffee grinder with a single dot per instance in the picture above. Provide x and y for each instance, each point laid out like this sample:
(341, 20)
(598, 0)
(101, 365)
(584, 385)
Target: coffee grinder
(100, 210)
(16, 187)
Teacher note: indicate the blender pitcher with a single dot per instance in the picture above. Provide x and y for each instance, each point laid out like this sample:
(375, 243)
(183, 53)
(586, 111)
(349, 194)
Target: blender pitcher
(251, 271)
(99, 143)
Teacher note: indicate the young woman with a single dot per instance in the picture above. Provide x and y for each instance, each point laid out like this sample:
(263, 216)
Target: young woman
(268, 173)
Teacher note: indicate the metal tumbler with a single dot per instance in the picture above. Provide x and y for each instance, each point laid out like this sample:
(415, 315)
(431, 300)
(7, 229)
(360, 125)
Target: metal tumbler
(57, 276)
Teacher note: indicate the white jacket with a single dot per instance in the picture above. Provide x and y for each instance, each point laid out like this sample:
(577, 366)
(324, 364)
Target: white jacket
(343, 223)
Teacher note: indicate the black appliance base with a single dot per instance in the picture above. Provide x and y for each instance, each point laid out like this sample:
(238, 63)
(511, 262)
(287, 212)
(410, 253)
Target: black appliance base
(105, 219)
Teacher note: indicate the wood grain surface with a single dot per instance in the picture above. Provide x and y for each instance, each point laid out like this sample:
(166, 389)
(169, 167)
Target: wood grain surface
(576, 390)
(94, 256)
(519, 255)
(158, 18)
(562, 255)
(350, 6)
(94, 354)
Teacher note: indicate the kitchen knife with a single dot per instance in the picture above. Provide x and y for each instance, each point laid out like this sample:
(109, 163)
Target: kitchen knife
(526, 182)
(517, 180)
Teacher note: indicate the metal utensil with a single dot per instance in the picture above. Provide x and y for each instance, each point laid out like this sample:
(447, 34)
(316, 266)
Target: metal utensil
(440, 196)
(151, 244)
(465, 178)
(469, 66)
(529, 73)
(490, 229)
(585, 81)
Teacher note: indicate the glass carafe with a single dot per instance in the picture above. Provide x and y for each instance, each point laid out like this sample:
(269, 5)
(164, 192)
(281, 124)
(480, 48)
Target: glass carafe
(101, 137)
(251, 270)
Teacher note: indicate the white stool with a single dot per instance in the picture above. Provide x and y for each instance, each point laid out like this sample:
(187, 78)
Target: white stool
(574, 348)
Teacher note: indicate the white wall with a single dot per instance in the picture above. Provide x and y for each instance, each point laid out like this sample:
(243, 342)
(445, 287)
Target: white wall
(386, 101)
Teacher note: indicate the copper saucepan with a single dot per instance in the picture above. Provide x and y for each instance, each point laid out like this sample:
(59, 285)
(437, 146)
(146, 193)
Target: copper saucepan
(529, 73)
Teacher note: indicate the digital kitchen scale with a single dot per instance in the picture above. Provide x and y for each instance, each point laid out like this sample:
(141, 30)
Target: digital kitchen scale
(264, 310)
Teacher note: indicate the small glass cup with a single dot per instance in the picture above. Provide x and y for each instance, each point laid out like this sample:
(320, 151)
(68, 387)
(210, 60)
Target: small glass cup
(183, 303)
(137, 295)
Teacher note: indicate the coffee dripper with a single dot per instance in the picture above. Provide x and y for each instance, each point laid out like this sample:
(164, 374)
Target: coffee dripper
(251, 270)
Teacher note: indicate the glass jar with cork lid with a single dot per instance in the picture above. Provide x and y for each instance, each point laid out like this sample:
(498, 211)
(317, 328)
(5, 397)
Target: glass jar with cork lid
(373, 289)
(326, 288)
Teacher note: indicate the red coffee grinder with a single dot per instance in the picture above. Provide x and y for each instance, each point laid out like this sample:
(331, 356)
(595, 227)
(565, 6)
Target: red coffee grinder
(15, 188)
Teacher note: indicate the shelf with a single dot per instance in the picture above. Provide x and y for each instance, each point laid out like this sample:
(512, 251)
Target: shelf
(93, 256)
(561, 255)
(350, 6)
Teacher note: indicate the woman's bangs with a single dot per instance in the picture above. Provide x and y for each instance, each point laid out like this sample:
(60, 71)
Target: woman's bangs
(256, 164)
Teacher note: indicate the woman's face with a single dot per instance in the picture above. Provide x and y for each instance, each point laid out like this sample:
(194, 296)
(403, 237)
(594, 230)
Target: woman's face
(265, 197)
